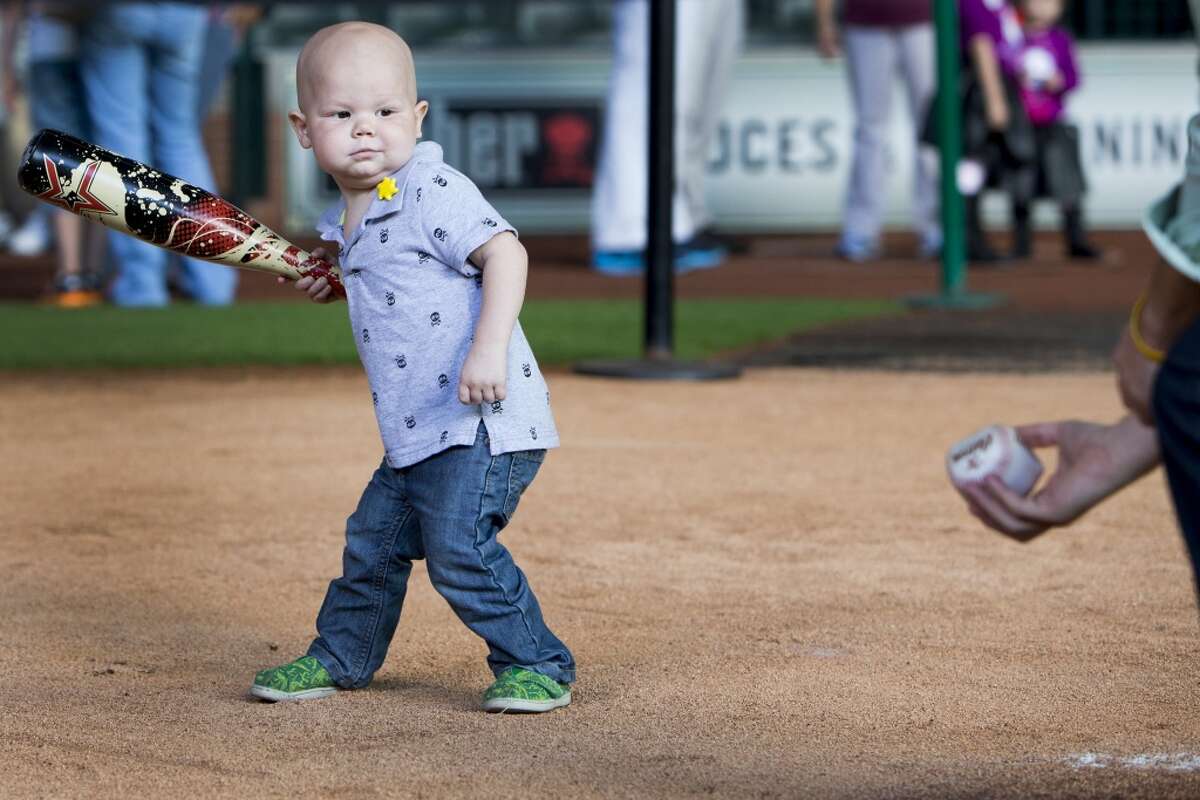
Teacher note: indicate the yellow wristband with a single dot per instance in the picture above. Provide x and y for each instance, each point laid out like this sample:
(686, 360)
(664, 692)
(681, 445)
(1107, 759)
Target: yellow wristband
(1135, 334)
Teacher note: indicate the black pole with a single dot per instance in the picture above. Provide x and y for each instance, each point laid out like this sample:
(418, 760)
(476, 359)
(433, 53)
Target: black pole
(660, 272)
(657, 362)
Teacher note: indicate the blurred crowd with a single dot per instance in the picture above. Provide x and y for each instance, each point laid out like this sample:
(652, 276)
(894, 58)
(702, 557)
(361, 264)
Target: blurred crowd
(1018, 69)
(136, 78)
(139, 78)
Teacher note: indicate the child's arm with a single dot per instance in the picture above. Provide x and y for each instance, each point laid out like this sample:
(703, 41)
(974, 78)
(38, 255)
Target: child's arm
(505, 265)
(987, 71)
(1070, 72)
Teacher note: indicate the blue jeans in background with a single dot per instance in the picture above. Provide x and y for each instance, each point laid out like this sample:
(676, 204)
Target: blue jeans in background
(141, 66)
(447, 509)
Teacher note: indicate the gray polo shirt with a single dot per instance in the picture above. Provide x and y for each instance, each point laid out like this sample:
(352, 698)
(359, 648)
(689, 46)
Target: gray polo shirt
(414, 302)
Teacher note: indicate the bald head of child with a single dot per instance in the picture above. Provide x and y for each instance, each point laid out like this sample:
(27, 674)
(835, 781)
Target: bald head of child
(359, 112)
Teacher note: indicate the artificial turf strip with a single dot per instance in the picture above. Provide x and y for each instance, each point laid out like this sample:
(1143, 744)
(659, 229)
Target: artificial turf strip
(560, 331)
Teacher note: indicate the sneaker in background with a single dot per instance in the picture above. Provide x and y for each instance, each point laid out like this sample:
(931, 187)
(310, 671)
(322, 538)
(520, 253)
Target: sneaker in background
(76, 291)
(618, 262)
(699, 253)
(687, 256)
(857, 249)
(32, 238)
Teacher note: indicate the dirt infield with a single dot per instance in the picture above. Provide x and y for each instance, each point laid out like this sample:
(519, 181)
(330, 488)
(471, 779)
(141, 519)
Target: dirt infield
(769, 587)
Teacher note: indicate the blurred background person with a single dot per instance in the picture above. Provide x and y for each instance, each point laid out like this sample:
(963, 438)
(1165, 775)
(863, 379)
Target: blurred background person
(54, 92)
(224, 37)
(997, 136)
(1046, 71)
(141, 66)
(708, 38)
(882, 39)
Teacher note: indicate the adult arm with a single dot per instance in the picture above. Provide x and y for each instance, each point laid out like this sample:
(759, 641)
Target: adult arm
(987, 71)
(828, 37)
(1170, 306)
(11, 17)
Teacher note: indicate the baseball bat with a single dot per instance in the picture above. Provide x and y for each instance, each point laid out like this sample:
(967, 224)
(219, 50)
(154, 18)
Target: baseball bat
(134, 198)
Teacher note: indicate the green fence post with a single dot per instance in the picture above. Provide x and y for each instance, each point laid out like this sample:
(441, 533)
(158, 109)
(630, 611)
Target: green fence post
(948, 118)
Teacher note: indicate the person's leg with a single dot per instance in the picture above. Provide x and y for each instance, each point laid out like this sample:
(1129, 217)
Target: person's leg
(710, 37)
(463, 498)
(619, 195)
(58, 87)
(113, 67)
(1061, 169)
(1177, 418)
(362, 607)
(221, 44)
(1022, 229)
(176, 56)
(918, 68)
(1075, 232)
(871, 56)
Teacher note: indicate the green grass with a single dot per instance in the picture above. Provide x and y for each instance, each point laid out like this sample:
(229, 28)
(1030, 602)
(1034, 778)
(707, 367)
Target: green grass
(561, 331)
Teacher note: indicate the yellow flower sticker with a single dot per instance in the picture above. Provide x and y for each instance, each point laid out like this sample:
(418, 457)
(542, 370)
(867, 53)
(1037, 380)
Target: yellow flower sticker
(386, 188)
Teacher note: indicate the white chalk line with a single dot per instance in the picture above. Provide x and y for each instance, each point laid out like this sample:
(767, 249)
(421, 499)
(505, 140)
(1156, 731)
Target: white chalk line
(1167, 762)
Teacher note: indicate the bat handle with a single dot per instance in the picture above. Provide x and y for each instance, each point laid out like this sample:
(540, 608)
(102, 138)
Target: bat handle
(320, 268)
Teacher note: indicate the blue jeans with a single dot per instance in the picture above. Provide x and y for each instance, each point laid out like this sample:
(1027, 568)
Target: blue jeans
(141, 66)
(447, 509)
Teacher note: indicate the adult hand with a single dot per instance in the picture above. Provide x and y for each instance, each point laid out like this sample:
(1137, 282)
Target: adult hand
(1094, 462)
(1135, 378)
(829, 40)
(241, 16)
(997, 115)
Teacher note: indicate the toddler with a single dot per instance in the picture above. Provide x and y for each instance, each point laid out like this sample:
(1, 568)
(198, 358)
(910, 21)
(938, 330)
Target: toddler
(434, 280)
(1044, 64)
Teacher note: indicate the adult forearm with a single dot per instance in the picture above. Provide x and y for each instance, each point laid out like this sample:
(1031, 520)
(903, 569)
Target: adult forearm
(824, 13)
(987, 70)
(1135, 449)
(1171, 306)
(10, 21)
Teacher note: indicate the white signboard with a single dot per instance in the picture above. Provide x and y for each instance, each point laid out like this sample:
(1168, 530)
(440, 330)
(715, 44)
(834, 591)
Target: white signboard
(783, 151)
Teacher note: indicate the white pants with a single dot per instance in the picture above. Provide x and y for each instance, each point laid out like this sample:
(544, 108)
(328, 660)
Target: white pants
(708, 37)
(873, 56)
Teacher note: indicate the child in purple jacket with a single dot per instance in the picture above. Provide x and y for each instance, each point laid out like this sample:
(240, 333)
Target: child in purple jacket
(1044, 66)
(997, 135)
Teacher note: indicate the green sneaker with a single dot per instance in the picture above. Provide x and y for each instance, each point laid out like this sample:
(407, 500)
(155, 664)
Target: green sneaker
(303, 679)
(521, 690)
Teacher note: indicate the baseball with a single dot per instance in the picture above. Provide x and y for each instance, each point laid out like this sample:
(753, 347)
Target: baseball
(995, 450)
(1039, 66)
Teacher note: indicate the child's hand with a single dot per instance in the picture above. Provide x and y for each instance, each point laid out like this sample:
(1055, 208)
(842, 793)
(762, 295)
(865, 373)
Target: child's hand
(317, 289)
(484, 374)
(1055, 83)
